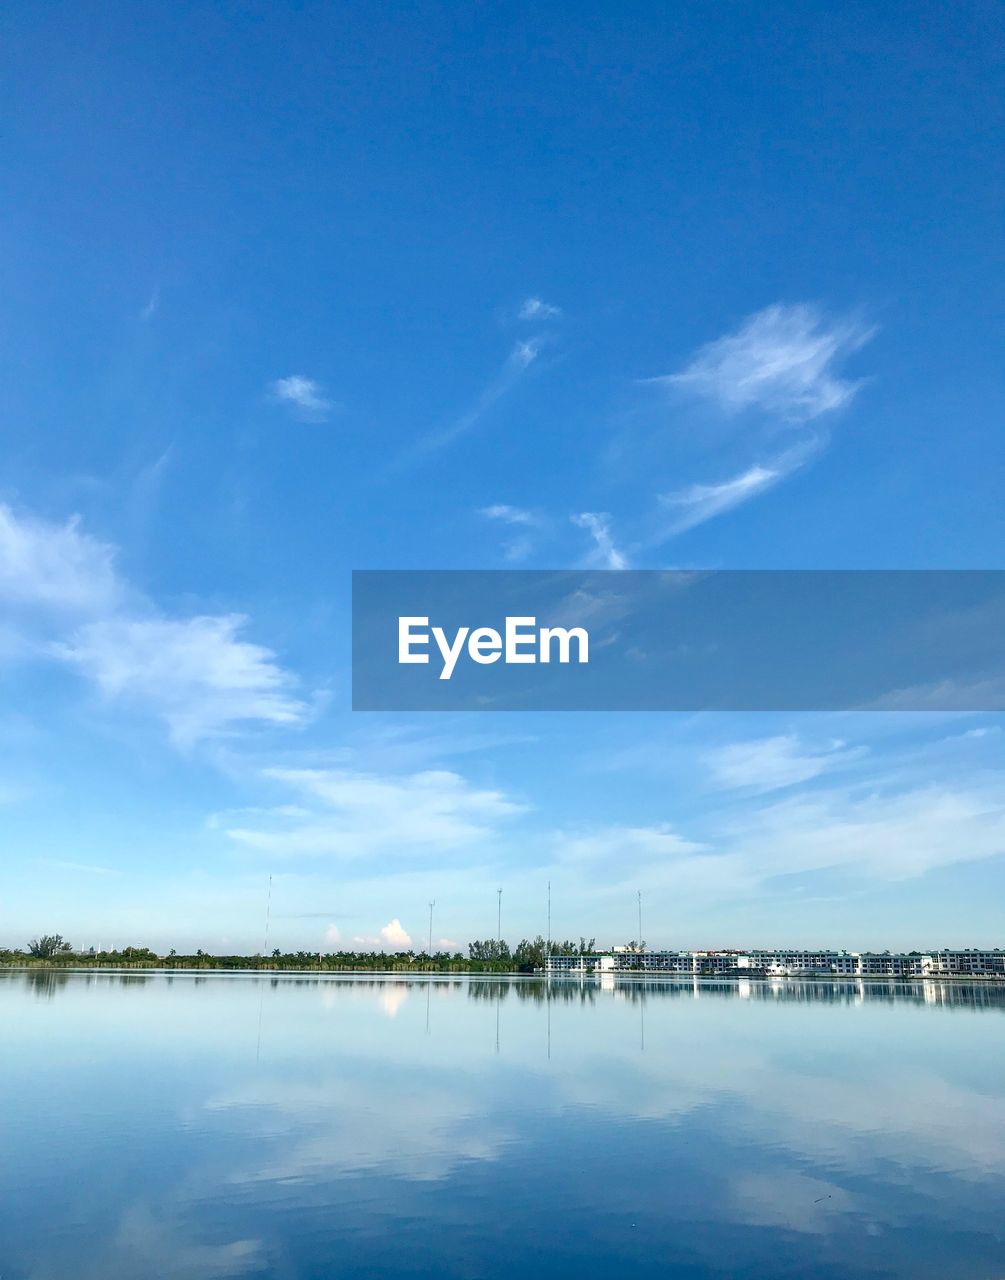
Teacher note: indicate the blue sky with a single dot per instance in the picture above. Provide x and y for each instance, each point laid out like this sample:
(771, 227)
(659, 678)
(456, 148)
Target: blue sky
(294, 290)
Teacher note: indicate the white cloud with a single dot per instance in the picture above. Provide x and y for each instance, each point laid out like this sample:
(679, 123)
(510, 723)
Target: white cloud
(981, 694)
(782, 360)
(888, 837)
(766, 764)
(56, 566)
(693, 505)
(626, 844)
(333, 935)
(658, 856)
(869, 836)
(605, 555)
(538, 309)
(152, 305)
(518, 547)
(394, 935)
(700, 502)
(525, 353)
(304, 395)
(509, 515)
(66, 602)
(520, 358)
(364, 814)
(195, 673)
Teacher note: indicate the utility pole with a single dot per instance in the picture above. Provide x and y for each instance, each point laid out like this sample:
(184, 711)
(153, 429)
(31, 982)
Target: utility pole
(268, 914)
(641, 962)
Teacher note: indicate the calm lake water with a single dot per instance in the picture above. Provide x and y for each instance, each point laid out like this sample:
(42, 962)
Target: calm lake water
(300, 1127)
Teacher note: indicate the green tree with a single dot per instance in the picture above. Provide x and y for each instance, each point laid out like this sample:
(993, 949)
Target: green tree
(48, 946)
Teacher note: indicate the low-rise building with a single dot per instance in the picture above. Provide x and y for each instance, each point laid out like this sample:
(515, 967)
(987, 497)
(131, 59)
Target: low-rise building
(787, 962)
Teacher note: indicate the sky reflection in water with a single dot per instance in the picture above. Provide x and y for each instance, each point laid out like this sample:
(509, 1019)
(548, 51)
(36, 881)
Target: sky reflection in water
(237, 1125)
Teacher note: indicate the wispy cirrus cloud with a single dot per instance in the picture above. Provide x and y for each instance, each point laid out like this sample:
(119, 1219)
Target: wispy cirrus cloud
(522, 355)
(152, 305)
(770, 764)
(510, 515)
(303, 395)
(197, 674)
(887, 836)
(604, 554)
(697, 503)
(357, 815)
(524, 525)
(782, 360)
(782, 367)
(694, 504)
(67, 602)
(538, 309)
(55, 565)
(634, 844)
(880, 834)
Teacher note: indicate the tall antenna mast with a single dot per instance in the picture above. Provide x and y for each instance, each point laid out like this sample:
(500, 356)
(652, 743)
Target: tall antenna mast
(430, 951)
(640, 919)
(548, 952)
(499, 916)
(268, 916)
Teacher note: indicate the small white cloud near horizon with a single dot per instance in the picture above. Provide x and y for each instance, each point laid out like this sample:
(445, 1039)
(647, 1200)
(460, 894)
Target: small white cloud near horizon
(304, 395)
(394, 935)
(538, 309)
(604, 555)
(782, 360)
(333, 934)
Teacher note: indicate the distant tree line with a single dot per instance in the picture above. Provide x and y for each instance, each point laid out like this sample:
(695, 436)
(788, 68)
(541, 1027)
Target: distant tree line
(526, 956)
(489, 956)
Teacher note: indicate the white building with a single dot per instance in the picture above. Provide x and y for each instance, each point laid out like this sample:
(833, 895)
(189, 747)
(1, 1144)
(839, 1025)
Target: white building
(786, 962)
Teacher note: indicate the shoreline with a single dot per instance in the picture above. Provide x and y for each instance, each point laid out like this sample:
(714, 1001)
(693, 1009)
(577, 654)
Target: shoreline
(537, 976)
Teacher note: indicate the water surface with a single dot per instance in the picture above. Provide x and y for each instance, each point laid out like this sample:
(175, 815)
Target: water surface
(156, 1125)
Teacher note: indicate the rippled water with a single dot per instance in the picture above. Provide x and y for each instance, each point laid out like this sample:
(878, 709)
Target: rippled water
(245, 1125)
